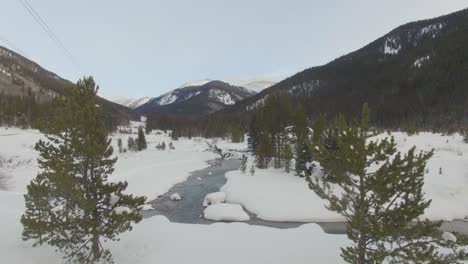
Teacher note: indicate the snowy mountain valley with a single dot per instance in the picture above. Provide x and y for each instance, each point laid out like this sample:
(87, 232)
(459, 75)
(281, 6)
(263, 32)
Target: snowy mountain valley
(360, 160)
(272, 195)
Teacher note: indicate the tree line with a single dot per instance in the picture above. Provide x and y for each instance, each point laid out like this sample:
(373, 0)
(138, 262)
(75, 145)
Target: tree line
(377, 190)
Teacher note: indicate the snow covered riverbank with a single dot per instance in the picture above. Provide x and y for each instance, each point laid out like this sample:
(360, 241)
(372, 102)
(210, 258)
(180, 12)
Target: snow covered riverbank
(277, 196)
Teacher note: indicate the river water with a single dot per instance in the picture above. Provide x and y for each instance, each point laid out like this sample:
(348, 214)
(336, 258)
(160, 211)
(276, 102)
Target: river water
(208, 180)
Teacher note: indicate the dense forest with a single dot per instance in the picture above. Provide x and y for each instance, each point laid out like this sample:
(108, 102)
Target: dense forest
(413, 77)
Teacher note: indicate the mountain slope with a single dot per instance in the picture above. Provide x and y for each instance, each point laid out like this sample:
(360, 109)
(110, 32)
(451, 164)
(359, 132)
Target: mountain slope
(196, 99)
(28, 84)
(415, 74)
(131, 103)
(258, 85)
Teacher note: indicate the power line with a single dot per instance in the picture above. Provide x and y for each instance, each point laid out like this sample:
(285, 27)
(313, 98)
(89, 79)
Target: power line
(12, 46)
(49, 32)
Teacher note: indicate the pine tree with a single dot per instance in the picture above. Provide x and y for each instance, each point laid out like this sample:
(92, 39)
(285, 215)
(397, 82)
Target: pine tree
(300, 123)
(303, 158)
(175, 134)
(70, 204)
(243, 167)
(252, 169)
(141, 140)
(119, 145)
(253, 133)
(288, 155)
(131, 144)
(380, 197)
(264, 151)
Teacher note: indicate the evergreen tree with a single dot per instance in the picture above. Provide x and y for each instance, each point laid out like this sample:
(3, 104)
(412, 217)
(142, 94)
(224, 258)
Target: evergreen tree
(175, 134)
(243, 166)
(253, 133)
(141, 140)
(131, 144)
(119, 145)
(288, 155)
(300, 123)
(264, 151)
(380, 196)
(318, 129)
(303, 158)
(252, 169)
(237, 134)
(70, 204)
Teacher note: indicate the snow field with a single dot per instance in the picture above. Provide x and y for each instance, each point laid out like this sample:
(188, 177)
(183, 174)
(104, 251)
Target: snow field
(156, 240)
(277, 196)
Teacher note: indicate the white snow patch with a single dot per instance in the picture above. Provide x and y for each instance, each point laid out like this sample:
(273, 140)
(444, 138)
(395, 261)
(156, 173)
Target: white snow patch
(147, 207)
(113, 199)
(122, 209)
(214, 198)
(167, 99)
(221, 96)
(175, 197)
(225, 212)
(392, 46)
(420, 61)
(433, 30)
(447, 236)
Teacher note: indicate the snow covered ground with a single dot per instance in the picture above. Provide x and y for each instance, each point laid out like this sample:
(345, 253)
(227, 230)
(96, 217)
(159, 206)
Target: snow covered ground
(156, 240)
(271, 194)
(277, 196)
(149, 173)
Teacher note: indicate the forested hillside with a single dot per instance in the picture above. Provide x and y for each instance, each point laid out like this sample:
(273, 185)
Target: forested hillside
(27, 92)
(414, 76)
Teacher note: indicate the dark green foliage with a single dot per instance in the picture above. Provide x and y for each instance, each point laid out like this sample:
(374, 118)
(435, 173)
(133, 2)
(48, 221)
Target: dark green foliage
(141, 140)
(300, 123)
(303, 158)
(175, 134)
(237, 135)
(288, 155)
(267, 135)
(70, 204)
(208, 126)
(120, 145)
(401, 94)
(131, 144)
(382, 206)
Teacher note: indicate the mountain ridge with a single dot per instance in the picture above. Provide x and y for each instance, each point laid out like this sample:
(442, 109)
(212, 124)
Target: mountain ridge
(413, 74)
(196, 100)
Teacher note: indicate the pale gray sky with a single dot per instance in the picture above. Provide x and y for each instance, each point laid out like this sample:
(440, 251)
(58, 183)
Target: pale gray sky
(147, 47)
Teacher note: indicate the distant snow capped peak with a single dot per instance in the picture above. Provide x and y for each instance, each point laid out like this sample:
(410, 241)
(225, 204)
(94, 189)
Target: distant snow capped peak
(257, 85)
(196, 83)
(129, 102)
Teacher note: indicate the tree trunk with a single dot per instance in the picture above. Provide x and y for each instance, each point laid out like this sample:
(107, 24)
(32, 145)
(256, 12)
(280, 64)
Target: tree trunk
(362, 219)
(96, 248)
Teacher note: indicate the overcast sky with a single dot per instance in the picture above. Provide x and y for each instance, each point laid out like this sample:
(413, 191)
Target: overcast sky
(144, 48)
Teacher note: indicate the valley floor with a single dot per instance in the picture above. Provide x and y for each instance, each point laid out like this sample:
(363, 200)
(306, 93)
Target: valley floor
(270, 194)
